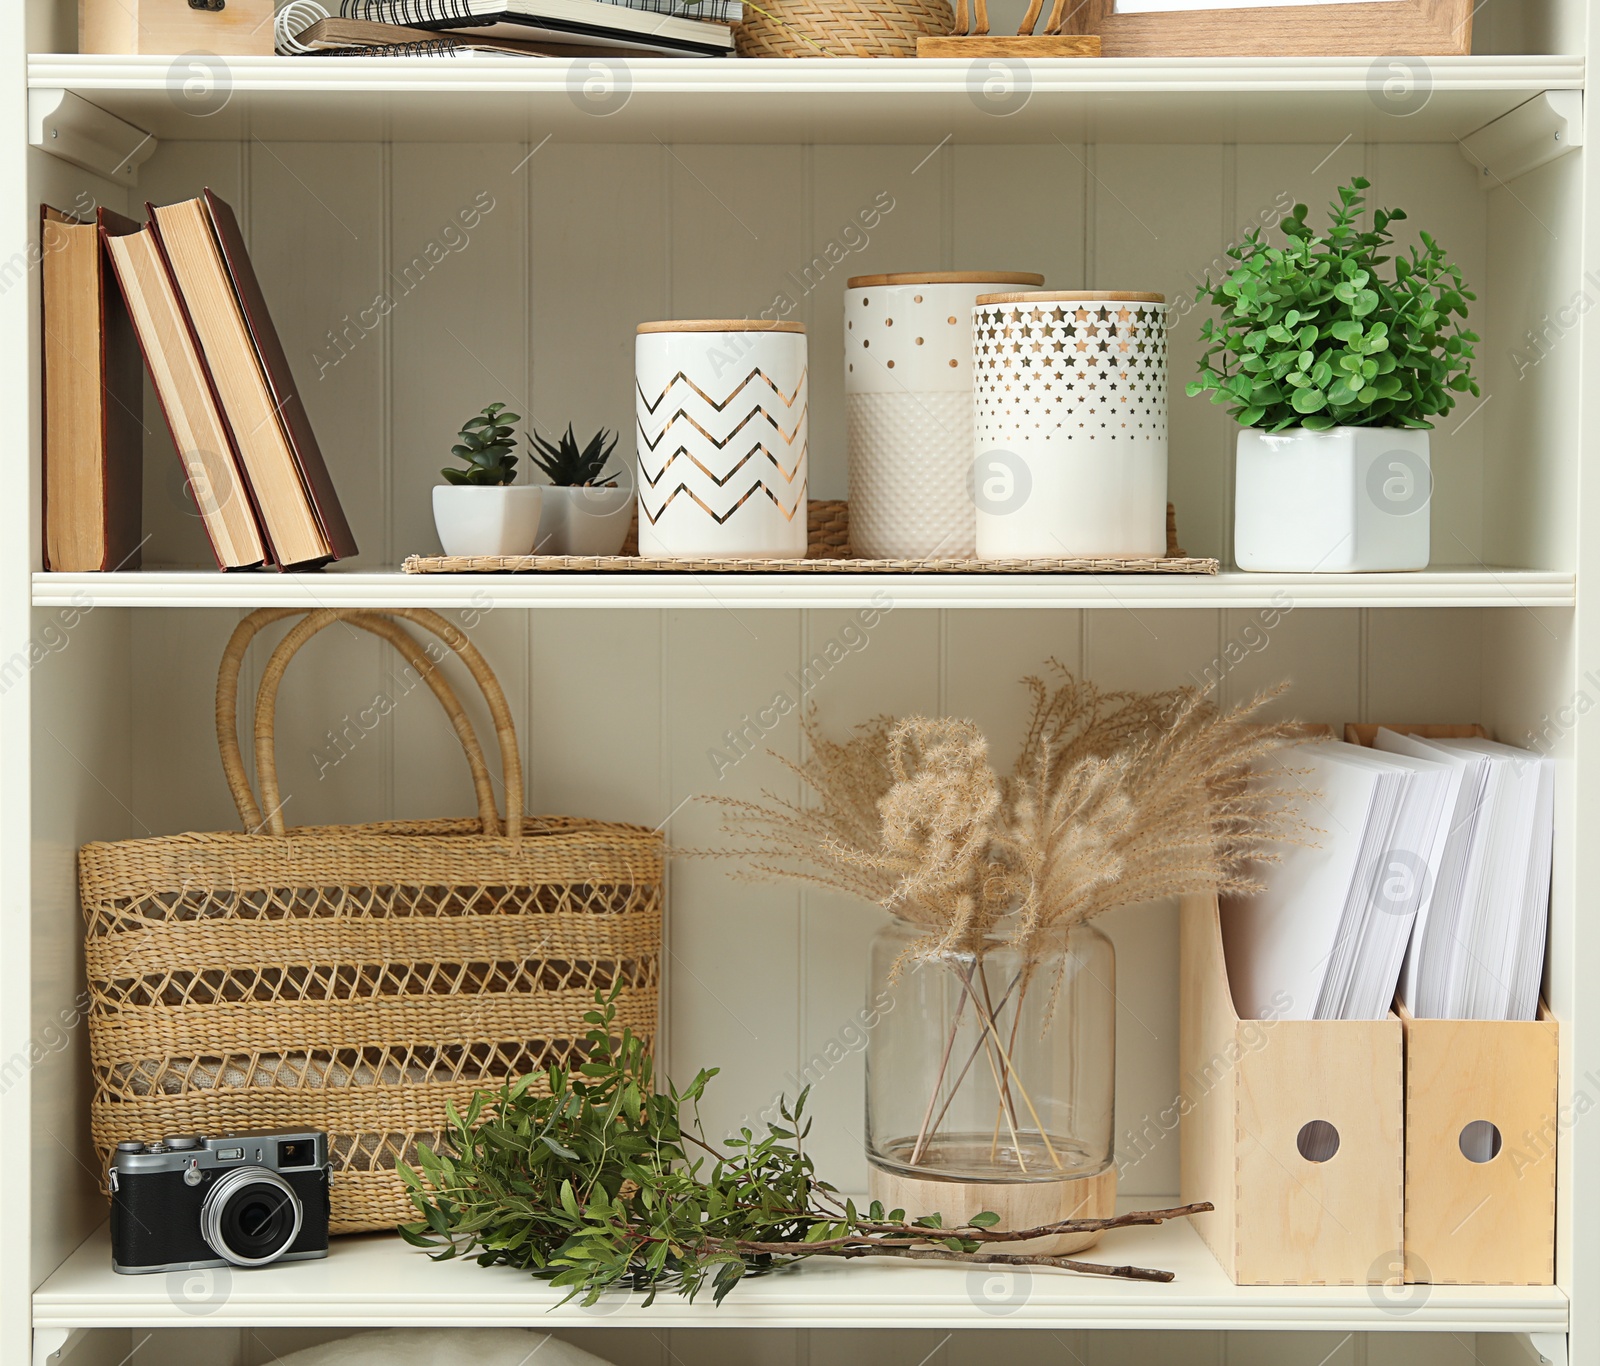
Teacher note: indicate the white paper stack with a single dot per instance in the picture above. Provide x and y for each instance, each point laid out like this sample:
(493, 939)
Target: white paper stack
(1477, 951)
(1326, 937)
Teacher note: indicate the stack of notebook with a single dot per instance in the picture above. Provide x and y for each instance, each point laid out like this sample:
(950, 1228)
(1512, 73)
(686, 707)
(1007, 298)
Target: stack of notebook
(1477, 951)
(1429, 871)
(251, 461)
(660, 27)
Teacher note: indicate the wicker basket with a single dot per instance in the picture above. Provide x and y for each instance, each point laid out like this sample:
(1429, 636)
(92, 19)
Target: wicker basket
(356, 978)
(841, 28)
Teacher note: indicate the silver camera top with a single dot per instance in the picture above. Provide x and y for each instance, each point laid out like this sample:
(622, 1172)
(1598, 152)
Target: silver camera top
(274, 1149)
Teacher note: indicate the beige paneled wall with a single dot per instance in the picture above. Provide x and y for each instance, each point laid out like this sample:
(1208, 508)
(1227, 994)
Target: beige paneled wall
(628, 716)
(623, 714)
(414, 283)
(910, 1347)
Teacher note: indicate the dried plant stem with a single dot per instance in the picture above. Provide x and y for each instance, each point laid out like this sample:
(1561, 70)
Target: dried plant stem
(1000, 1048)
(1006, 1097)
(972, 1057)
(1011, 1124)
(1130, 1273)
(922, 1134)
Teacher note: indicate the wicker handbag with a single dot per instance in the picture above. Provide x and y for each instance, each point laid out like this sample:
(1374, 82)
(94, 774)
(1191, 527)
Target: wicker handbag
(841, 28)
(356, 978)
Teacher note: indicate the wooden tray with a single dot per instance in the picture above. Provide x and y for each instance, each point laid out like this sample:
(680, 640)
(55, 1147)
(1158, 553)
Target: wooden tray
(827, 552)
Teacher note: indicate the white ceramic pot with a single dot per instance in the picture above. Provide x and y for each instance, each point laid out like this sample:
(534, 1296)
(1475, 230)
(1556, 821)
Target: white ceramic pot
(1071, 424)
(584, 520)
(1347, 500)
(475, 519)
(722, 439)
(908, 410)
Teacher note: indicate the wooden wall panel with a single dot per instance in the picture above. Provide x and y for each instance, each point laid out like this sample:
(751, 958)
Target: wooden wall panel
(457, 272)
(317, 229)
(623, 715)
(1447, 203)
(1156, 213)
(733, 991)
(598, 262)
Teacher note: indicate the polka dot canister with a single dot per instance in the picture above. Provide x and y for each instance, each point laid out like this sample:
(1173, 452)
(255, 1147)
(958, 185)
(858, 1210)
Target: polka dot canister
(908, 410)
(1070, 423)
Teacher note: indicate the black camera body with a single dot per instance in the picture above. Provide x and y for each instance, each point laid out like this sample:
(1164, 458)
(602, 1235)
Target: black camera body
(245, 1200)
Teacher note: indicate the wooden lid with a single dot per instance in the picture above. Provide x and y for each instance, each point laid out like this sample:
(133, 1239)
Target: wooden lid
(947, 277)
(722, 325)
(1075, 295)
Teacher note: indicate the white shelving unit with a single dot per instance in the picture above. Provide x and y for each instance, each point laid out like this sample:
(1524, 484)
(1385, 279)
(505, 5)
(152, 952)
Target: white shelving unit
(349, 588)
(378, 1281)
(696, 188)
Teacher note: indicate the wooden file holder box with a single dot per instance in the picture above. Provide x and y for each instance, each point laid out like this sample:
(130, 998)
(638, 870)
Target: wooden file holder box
(1478, 1223)
(1253, 1091)
(1481, 1223)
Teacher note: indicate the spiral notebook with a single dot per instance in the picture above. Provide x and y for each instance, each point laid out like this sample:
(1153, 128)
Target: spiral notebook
(659, 26)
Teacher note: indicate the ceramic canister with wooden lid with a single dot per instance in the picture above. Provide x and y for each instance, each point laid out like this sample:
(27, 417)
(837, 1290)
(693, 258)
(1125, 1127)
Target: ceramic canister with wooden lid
(908, 410)
(1070, 405)
(721, 433)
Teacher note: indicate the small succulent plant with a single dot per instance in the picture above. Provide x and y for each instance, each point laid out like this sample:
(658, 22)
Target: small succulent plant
(569, 466)
(485, 444)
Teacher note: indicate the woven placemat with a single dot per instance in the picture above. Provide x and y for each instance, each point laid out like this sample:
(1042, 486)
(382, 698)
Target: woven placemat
(827, 552)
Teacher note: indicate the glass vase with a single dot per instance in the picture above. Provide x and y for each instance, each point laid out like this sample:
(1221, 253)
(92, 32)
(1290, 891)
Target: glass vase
(990, 1081)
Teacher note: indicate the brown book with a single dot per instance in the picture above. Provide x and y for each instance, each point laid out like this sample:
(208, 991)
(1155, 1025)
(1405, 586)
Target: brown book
(204, 251)
(93, 400)
(194, 417)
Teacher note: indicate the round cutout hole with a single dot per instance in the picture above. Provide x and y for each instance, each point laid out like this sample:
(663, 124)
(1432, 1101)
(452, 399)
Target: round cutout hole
(1317, 1141)
(1480, 1141)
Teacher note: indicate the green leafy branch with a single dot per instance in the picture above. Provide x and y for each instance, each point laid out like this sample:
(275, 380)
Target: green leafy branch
(591, 1178)
(1312, 334)
(485, 444)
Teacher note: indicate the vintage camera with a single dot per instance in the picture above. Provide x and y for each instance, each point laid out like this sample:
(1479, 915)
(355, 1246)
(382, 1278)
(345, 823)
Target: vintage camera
(244, 1200)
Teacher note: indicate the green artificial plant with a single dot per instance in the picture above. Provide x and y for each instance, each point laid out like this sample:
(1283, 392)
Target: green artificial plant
(485, 444)
(1316, 334)
(568, 465)
(588, 1177)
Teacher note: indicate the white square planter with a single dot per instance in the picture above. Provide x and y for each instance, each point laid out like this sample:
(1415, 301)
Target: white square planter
(1348, 500)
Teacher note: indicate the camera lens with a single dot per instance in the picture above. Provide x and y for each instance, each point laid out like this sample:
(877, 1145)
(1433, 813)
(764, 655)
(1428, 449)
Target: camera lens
(250, 1216)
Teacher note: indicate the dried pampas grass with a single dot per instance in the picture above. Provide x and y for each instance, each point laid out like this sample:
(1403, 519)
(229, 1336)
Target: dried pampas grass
(1115, 798)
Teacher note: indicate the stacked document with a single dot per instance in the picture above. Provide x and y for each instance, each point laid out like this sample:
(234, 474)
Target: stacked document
(1477, 950)
(1326, 938)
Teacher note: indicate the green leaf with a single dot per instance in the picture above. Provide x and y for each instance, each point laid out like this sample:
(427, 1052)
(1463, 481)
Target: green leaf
(988, 1219)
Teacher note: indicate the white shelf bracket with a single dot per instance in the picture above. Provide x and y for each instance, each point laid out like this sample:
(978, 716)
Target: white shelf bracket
(68, 126)
(1551, 1347)
(1548, 126)
(52, 1346)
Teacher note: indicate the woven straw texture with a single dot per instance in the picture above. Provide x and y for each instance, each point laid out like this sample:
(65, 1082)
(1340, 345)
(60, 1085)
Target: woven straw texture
(842, 28)
(828, 552)
(356, 978)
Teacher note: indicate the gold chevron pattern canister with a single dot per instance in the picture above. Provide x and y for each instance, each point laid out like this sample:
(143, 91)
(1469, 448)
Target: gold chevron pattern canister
(721, 434)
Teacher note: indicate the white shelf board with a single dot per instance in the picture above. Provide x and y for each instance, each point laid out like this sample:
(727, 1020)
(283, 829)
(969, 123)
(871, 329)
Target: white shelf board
(1174, 99)
(375, 1280)
(1444, 587)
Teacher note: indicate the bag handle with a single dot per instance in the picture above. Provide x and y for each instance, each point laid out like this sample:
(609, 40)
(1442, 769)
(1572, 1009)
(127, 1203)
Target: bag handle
(386, 627)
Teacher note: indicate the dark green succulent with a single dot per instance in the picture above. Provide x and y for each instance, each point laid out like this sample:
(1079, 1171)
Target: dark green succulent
(485, 444)
(1313, 335)
(569, 466)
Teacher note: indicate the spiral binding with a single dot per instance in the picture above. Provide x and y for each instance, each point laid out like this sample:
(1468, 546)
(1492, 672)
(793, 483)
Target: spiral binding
(290, 22)
(422, 47)
(441, 13)
(406, 11)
